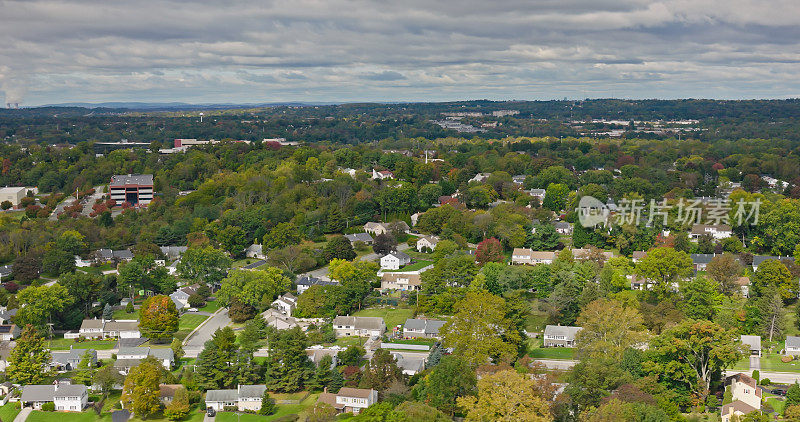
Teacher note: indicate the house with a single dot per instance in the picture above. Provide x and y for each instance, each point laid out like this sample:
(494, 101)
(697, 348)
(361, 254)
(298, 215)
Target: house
(255, 251)
(382, 175)
(758, 259)
(519, 179)
(744, 284)
(410, 364)
(128, 357)
(358, 326)
(587, 253)
(9, 332)
(285, 303)
(359, 237)
(562, 227)
(376, 229)
(637, 282)
(792, 346)
(173, 252)
(278, 320)
(701, 260)
(316, 353)
(101, 256)
(5, 272)
(638, 256)
(65, 396)
(480, 177)
(13, 194)
(304, 282)
(349, 400)
(415, 218)
(246, 398)
(68, 360)
(745, 395)
(538, 193)
(122, 329)
(403, 281)
(5, 354)
(560, 335)
(167, 392)
(181, 296)
(395, 260)
(521, 256)
(428, 328)
(753, 343)
(717, 231)
(427, 243)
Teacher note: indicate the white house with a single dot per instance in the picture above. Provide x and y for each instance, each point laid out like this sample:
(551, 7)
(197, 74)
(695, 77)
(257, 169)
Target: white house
(255, 251)
(562, 227)
(9, 332)
(278, 320)
(753, 344)
(350, 400)
(111, 328)
(538, 193)
(480, 177)
(65, 396)
(68, 360)
(382, 175)
(285, 303)
(427, 242)
(560, 335)
(403, 281)
(246, 398)
(521, 256)
(417, 327)
(717, 231)
(792, 346)
(358, 326)
(745, 394)
(181, 296)
(395, 260)
(128, 357)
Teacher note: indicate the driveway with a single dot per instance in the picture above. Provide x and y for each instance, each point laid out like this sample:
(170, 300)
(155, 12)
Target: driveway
(194, 344)
(23, 414)
(60, 207)
(755, 363)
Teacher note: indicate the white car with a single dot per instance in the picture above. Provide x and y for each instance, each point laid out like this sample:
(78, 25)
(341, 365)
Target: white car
(192, 309)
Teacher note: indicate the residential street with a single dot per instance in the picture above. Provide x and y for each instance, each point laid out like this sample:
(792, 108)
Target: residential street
(774, 377)
(90, 200)
(60, 207)
(193, 344)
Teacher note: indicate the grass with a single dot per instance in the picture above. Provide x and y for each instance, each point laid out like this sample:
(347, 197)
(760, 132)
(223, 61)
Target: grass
(413, 267)
(121, 314)
(772, 362)
(420, 341)
(88, 416)
(350, 341)
(391, 316)
(536, 351)
(283, 410)
(211, 306)
(188, 323)
(65, 343)
(8, 412)
(776, 404)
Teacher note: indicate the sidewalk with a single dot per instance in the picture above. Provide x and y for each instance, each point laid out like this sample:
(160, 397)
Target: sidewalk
(23, 414)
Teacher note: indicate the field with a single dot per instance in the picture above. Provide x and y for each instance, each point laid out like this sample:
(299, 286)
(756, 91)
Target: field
(121, 314)
(64, 344)
(391, 316)
(188, 323)
(536, 351)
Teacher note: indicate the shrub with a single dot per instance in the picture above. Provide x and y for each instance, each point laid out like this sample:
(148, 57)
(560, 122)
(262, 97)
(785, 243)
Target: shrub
(196, 301)
(756, 375)
(287, 418)
(765, 381)
(129, 308)
(229, 408)
(786, 359)
(49, 407)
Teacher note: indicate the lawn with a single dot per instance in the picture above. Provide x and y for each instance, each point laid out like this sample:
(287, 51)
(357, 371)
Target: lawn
(413, 267)
(88, 416)
(121, 314)
(772, 362)
(391, 316)
(776, 404)
(283, 410)
(536, 351)
(350, 341)
(188, 323)
(64, 344)
(211, 306)
(8, 412)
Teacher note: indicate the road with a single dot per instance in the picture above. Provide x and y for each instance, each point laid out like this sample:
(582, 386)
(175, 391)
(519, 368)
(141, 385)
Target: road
(774, 377)
(193, 344)
(90, 200)
(60, 207)
(323, 272)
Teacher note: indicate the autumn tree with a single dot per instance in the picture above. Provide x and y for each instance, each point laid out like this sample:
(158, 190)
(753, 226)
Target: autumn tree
(107, 377)
(725, 270)
(158, 318)
(489, 250)
(29, 360)
(178, 408)
(506, 396)
(140, 392)
(609, 327)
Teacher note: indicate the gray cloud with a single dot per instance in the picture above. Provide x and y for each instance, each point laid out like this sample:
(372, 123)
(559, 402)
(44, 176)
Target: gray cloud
(357, 50)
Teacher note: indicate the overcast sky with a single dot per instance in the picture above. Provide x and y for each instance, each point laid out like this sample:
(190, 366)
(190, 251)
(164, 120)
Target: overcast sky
(246, 51)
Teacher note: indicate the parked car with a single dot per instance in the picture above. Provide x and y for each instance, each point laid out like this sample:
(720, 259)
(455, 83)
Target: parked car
(192, 309)
(211, 412)
(778, 392)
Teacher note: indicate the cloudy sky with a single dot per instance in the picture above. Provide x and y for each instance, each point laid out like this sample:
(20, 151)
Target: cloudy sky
(247, 51)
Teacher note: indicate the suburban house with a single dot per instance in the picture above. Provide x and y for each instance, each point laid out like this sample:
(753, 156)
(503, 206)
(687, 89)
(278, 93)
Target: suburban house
(519, 179)
(285, 303)
(6, 315)
(65, 396)
(427, 243)
(480, 177)
(68, 360)
(376, 229)
(278, 320)
(637, 282)
(521, 256)
(9, 332)
(717, 231)
(560, 335)
(167, 392)
(415, 218)
(562, 227)
(701, 260)
(744, 284)
(358, 326)
(255, 251)
(111, 328)
(758, 259)
(792, 346)
(417, 327)
(586, 253)
(395, 260)
(128, 357)
(745, 394)
(102, 256)
(244, 398)
(638, 255)
(350, 400)
(173, 252)
(359, 237)
(753, 343)
(407, 280)
(181, 296)
(537, 193)
(410, 364)
(304, 282)
(382, 175)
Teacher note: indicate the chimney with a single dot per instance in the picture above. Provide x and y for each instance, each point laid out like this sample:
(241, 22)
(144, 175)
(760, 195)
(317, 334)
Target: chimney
(238, 389)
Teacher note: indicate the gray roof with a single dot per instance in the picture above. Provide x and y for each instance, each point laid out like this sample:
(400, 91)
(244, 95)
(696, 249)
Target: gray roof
(793, 341)
(254, 265)
(64, 357)
(131, 179)
(5, 270)
(758, 259)
(753, 341)
(44, 393)
(562, 330)
(131, 342)
(562, 225)
(139, 351)
(362, 323)
(114, 325)
(363, 237)
(702, 258)
(173, 251)
(311, 281)
(246, 391)
(158, 353)
(400, 255)
(430, 326)
(123, 254)
(221, 395)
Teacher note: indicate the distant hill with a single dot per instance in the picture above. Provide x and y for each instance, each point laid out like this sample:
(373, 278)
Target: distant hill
(172, 106)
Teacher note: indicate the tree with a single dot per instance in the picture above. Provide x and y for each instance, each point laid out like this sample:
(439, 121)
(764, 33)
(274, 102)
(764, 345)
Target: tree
(268, 406)
(26, 267)
(489, 250)
(772, 276)
(412, 411)
(108, 311)
(609, 328)
(158, 318)
(555, 197)
(450, 379)
(323, 374)
(56, 262)
(37, 305)
(543, 237)
(773, 315)
(29, 360)
(355, 279)
(456, 270)
(178, 408)
(480, 331)
(793, 395)
(352, 356)
(321, 412)
(239, 311)
(281, 236)
(693, 353)
(207, 265)
(141, 393)
(291, 258)
(177, 348)
(288, 367)
(335, 223)
(233, 240)
(381, 372)
(699, 298)
(107, 377)
(83, 375)
(384, 243)
(725, 270)
(664, 266)
(506, 396)
(214, 364)
(256, 288)
(338, 248)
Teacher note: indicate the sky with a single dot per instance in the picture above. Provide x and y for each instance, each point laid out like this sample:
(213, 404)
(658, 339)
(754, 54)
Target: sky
(243, 51)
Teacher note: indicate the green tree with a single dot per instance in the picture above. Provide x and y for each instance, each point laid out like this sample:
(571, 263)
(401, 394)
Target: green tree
(207, 265)
(29, 360)
(352, 356)
(288, 366)
(268, 406)
(158, 318)
(555, 197)
(334, 223)
(699, 298)
(233, 240)
(543, 238)
(412, 411)
(450, 379)
(107, 377)
(281, 236)
(257, 288)
(323, 374)
(381, 372)
(177, 348)
(456, 270)
(793, 395)
(179, 407)
(609, 328)
(85, 370)
(482, 316)
(56, 262)
(37, 305)
(725, 270)
(214, 364)
(773, 276)
(773, 316)
(141, 393)
(356, 280)
(664, 266)
(339, 248)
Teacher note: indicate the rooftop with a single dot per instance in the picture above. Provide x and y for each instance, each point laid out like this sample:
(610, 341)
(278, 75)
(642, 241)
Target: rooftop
(132, 179)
